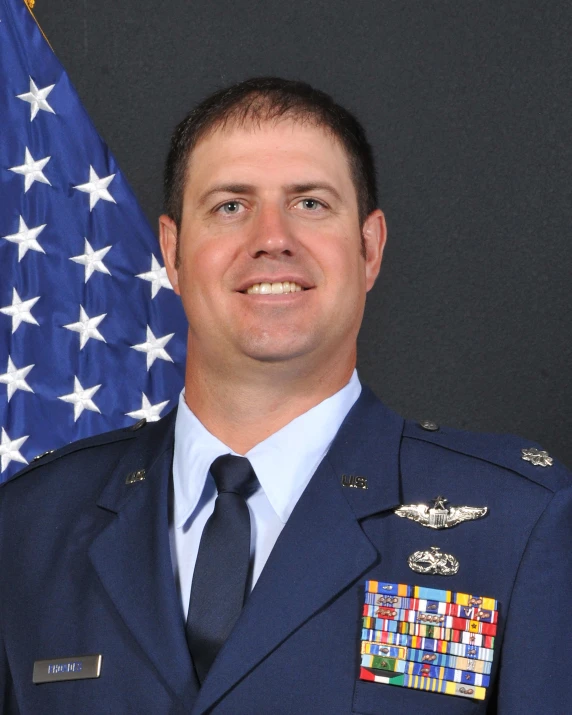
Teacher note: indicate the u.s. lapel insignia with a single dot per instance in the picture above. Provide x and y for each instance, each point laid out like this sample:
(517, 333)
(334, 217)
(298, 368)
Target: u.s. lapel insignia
(137, 476)
(440, 515)
(351, 480)
(428, 639)
(433, 562)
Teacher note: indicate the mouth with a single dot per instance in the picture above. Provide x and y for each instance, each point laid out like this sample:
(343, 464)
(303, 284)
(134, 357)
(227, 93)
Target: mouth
(274, 288)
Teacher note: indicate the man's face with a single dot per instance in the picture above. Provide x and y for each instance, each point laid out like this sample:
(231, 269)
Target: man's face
(270, 263)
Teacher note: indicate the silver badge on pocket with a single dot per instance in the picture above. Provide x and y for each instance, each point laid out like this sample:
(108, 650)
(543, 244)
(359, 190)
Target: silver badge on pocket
(433, 562)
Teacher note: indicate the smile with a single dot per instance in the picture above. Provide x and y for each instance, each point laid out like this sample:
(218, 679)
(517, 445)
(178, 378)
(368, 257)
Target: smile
(274, 288)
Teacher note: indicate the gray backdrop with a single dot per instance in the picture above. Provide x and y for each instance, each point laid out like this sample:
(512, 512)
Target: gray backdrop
(468, 105)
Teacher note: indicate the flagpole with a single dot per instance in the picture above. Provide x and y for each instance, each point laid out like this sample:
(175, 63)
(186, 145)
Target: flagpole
(30, 5)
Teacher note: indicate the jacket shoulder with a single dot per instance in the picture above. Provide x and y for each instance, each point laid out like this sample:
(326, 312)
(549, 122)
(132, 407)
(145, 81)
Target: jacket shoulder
(524, 457)
(53, 455)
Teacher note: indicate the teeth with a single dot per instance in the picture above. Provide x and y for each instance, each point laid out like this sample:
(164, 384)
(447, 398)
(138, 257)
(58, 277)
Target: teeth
(274, 288)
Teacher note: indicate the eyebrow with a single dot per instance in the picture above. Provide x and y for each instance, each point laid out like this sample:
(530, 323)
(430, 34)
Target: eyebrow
(313, 186)
(251, 189)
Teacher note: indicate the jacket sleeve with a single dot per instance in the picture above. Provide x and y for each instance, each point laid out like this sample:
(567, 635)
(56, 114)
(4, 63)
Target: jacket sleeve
(536, 664)
(8, 705)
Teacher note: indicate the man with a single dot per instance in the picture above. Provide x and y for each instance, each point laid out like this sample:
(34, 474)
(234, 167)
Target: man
(377, 559)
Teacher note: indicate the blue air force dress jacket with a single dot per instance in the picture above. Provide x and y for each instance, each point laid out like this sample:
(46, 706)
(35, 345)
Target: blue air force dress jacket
(85, 569)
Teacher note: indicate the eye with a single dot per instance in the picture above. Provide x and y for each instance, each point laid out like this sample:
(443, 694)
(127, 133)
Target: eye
(311, 204)
(230, 208)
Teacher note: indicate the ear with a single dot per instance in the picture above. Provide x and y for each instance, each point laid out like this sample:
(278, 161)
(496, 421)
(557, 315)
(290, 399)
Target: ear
(168, 237)
(374, 233)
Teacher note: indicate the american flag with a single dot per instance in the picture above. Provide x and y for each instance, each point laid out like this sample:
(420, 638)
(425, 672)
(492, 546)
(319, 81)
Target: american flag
(92, 337)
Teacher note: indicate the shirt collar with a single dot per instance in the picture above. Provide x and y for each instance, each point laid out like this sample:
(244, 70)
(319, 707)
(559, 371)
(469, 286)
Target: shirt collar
(284, 462)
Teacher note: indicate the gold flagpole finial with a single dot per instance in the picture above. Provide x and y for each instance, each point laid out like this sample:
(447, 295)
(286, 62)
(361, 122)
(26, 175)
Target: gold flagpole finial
(30, 3)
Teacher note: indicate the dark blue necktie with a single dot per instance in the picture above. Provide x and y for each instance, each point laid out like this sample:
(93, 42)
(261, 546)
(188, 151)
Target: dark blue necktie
(220, 577)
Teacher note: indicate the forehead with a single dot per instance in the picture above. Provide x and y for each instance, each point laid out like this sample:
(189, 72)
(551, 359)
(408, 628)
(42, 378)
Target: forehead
(284, 151)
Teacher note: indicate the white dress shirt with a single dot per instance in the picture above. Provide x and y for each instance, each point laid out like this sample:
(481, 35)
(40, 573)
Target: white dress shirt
(284, 464)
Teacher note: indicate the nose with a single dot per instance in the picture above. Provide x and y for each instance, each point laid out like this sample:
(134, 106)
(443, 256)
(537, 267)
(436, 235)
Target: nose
(271, 235)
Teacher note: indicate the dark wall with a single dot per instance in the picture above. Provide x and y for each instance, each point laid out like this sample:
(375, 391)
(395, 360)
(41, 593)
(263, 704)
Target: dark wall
(468, 105)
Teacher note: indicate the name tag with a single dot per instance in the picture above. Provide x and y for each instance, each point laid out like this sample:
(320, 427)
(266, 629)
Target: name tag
(77, 667)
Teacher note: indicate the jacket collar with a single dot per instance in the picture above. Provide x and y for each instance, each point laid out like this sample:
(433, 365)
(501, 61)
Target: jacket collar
(131, 555)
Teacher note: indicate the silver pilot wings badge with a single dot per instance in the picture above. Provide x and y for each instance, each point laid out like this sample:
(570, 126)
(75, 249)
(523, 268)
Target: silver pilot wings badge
(440, 515)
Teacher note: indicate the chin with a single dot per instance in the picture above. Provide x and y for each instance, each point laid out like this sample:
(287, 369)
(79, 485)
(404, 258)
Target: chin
(274, 351)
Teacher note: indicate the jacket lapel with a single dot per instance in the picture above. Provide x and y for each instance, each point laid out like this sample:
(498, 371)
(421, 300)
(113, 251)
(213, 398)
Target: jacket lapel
(322, 549)
(132, 555)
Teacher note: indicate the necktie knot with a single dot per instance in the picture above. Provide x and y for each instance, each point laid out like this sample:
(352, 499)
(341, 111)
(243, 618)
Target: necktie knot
(233, 474)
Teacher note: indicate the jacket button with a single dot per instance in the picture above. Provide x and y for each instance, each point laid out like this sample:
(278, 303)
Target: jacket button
(428, 425)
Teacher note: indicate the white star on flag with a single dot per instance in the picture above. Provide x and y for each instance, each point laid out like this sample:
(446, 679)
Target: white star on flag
(37, 99)
(157, 276)
(10, 450)
(92, 260)
(20, 311)
(31, 170)
(97, 188)
(16, 378)
(150, 412)
(81, 399)
(154, 347)
(26, 238)
(87, 327)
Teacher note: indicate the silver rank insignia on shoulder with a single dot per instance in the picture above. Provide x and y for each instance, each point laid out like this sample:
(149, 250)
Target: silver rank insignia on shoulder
(44, 454)
(440, 516)
(433, 562)
(538, 457)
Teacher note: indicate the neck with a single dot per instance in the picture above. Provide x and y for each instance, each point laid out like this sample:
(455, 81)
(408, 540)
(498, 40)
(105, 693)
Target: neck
(244, 407)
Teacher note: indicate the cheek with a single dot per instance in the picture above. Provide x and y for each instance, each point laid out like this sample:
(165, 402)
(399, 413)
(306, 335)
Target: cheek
(347, 282)
(342, 262)
(200, 261)
(204, 275)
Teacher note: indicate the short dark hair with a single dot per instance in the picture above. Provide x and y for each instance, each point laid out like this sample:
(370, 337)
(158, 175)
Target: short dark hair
(262, 99)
